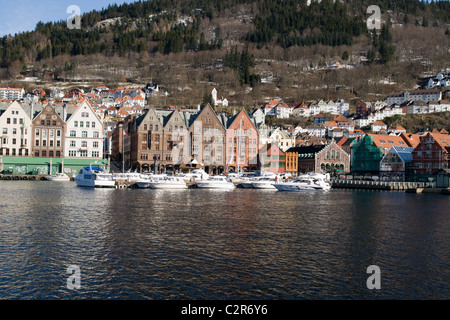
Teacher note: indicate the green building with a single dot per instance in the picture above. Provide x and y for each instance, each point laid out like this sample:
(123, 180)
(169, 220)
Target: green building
(44, 166)
(366, 157)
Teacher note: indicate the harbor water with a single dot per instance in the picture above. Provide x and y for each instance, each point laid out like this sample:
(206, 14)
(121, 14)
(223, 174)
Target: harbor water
(219, 245)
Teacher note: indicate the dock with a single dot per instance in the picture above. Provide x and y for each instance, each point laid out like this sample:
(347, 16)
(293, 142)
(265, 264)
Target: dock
(409, 187)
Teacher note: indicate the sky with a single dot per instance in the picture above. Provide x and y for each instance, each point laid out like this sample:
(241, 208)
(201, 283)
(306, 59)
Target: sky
(23, 15)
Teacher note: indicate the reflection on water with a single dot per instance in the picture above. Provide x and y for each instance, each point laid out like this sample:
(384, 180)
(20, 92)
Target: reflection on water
(238, 244)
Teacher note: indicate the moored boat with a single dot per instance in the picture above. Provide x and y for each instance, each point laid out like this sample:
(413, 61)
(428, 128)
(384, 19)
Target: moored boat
(57, 177)
(304, 183)
(94, 177)
(216, 182)
(264, 183)
(168, 182)
(146, 180)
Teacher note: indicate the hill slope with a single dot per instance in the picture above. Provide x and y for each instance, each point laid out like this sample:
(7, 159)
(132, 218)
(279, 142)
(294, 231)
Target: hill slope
(182, 45)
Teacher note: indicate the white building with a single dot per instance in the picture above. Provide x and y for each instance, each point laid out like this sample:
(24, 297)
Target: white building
(413, 95)
(282, 138)
(84, 134)
(218, 102)
(16, 131)
(12, 93)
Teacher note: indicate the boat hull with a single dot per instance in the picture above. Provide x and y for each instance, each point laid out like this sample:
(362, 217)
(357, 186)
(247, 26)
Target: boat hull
(167, 186)
(95, 183)
(204, 185)
(266, 186)
(294, 187)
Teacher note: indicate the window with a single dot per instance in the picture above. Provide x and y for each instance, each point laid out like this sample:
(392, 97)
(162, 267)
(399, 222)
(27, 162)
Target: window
(44, 153)
(84, 144)
(84, 134)
(87, 124)
(8, 120)
(96, 134)
(14, 131)
(50, 154)
(51, 132)
(5, 130)
(81, 124)
(73, 144)
(95, 144)
(58, 143)
(14, 141)
(93, 124)
(75, 124)
(37, 143)
(95, 154)
(58, 133)
(73, 133)
(72, 153)
(83, 153)
(44, 133)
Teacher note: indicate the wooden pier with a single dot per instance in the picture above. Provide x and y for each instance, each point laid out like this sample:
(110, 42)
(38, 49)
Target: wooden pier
(409, 187)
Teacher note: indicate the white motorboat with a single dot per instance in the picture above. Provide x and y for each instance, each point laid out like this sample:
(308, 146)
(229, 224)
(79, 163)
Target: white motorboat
(127, 176)
(146, 180)
(197, 174)
(168, 182)
(216, 182)
(57, 177)
(94, 177)
(264, 183)
(303, 182)
(247, 182)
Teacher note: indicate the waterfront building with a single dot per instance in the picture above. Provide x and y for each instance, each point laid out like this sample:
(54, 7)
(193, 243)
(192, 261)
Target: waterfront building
(16, 131)
(208, 140)
(304, 158)
(242, 143)
(84, 133)
(432, 153)
(272, 158)
(145, 136)
(396, 163)
(332, 158)
(318, 159)
(366, 156)
(48, 133)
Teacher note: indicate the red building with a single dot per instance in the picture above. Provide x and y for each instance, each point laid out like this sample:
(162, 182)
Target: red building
(432, 153)
(242, 144)
(273, 159)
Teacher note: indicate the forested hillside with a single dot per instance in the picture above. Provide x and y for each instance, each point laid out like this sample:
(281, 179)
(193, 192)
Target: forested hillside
(139, 42)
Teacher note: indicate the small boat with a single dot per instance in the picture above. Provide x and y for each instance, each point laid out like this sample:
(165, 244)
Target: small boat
(304, 182)
(57, 177)
(168, 182)
(146, 180)
(94, 177)
(247, 182)
(264, 183)
(127, 176)
(216, 182)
